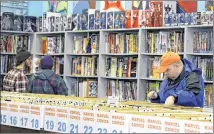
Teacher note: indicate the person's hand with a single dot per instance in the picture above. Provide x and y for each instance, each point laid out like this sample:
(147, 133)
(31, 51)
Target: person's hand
(152, 95)
(170, 101)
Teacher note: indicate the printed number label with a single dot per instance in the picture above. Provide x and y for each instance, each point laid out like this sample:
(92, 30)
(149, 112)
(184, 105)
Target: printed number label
(74, 129)
(3, 118)
(35, 123)
(50, 125)
(88, 129)
(13, 120)
(24, 121)
(61, 126)
(115, 131)
(102, 131)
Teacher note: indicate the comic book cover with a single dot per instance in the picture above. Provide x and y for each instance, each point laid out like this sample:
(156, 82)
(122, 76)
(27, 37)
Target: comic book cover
(134, 18)
(156, 9)
(40, 24)
(210, 13)
(148, 18)
(84, 19)
(116, 19)
(48, 21)
(57, 23)
(79, 24)
(193, 18)
(18, 22)
(122, 19)
(142, 18)
(174, 19)
(128, 19)
(52, 23)
(30, 24)
(187, 18)
(97, 19)
(103, 18)
(74, 22)
(180, 19)
(198, 18)
(69, 23)
(169, 8)
(91, 19)
(64, 22)
(61, 24)
(7, 21)
(44, 24)
(204, 18)
(110, 20)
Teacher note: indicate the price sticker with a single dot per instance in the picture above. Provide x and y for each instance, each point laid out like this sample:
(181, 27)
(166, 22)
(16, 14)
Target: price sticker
(75, 121)
(119, 123)
(88, 121)
(62, 120)
(50, 119)
(14, 115)
(137, 124)
(36, 117)
(102, 122)
(4, 113)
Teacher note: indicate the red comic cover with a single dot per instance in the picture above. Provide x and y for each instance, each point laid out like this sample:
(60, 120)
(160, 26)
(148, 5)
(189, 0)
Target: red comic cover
(128, 19)
(156, 8)
(134, 18)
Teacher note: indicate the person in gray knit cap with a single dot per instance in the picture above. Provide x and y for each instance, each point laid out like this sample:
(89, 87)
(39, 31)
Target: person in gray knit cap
(16, 80)
(46, 81)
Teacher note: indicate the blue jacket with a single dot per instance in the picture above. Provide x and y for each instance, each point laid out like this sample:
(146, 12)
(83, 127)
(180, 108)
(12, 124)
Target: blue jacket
(183, 95)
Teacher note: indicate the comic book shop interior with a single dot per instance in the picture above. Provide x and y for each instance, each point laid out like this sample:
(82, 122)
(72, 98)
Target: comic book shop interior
(106, 66)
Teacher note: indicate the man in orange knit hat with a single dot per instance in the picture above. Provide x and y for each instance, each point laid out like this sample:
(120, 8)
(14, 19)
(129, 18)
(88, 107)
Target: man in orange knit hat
(183, 85)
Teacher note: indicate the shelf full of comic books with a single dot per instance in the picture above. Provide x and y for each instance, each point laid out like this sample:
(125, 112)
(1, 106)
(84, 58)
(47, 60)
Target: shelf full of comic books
(111, 53)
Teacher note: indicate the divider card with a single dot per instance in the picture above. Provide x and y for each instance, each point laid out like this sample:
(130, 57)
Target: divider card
(5, 114)
(25, 118)
(172, 125)
(14, 114)
(102, 122)
(75, 121)
(50, 119)
(119, 123)
(88, 121)
(62, 117)
(195, 127)
(207, 127)
(137, 124)
(154, 124)
(36, 115)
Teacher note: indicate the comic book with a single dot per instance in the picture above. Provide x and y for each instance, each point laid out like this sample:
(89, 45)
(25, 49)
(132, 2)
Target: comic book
(156, 9)
(174, 19)
(52, 23)
(61, 24)
(204, 18)
(103, 18)
(122, 20)
(210, 13)
(128, 19)
(40, 24)
(7, 21)
(169, 10)
(64, 24)
(97, 19)
(91, 19)
(30, 24)
(69, 23)
(75, 22)
(110, 20)
(148, 18)
(84, 19)
(44, 24)
(193, 18)
(180, 19)
(117, 19)
(18, 22)
(134, 18)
